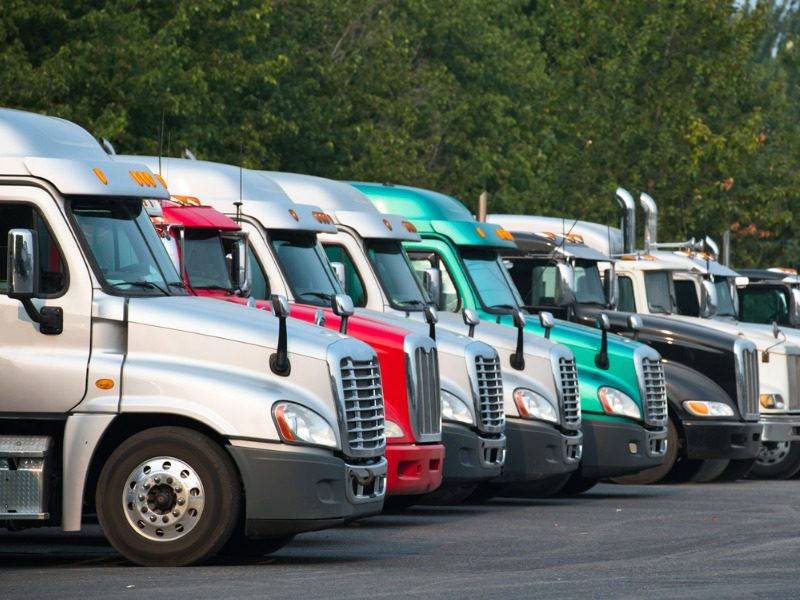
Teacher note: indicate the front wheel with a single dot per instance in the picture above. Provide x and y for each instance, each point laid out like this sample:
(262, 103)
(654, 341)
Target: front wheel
(710, 470)
(776, 460)
(168, 496)
(737, 469)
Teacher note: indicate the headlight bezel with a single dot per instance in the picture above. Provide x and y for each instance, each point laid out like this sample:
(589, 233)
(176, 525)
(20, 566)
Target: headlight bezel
(446, 397)
(617, 403)
(392, 430)
(708, 409)
(527, 412)
(289, 434)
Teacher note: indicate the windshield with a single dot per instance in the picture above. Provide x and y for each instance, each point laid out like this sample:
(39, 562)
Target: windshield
(588, 284)
(396, 275)
(725, 307)
(205, 260)
(305, 267)
(764, 305)
(490, 279)
(657, 286)
(125, 246)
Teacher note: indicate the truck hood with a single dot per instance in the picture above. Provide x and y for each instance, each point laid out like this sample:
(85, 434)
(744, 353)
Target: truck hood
(760, 335)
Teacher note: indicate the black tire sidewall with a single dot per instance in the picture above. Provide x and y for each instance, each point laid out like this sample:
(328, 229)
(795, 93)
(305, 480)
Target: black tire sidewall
(221, 488)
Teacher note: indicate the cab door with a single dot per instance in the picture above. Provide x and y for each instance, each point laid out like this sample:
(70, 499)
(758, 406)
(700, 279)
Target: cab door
(39, 373)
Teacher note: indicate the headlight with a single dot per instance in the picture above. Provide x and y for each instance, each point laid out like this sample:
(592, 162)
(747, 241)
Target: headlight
(299, 425)
(392, 429)
(617, 403)
(455, 409)
(701, 408)
(534, 406)
(771, 401)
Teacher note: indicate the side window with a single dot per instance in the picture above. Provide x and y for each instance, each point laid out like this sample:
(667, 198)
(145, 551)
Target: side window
(353, 285)
(422, 260)
(259, 284)
(686, 297)
(52, 273)
(627, 302)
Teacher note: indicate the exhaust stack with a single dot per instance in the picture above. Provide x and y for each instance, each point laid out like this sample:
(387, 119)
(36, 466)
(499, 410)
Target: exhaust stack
(628, 209)
(650, 221)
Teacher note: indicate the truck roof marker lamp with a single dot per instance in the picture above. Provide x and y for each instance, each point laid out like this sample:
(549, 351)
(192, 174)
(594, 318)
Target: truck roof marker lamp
(472, 319)
(279, 361)
(100, 175)
(23, 280)
(547, 321)
(431, 318)
(342, 306)
(601, 360)
(518, 358)
(635, 324)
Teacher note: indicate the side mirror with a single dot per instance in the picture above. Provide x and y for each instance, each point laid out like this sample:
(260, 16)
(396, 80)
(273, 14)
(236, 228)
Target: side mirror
(23, 280)
(338, 270)
(23, 264)
(601, 359)
(279, 361)
(794, 312)
(611, 288)
(342, 306)
(171, 238)
(432, 280)
(708, 305)
(240, 273)
(471, 319)
(635, 324)
(547, 321)
(518, 358)
(566, 285)
(741, 281)
(431, 317)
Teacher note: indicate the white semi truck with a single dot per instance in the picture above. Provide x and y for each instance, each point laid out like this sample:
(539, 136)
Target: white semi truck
(161, 413)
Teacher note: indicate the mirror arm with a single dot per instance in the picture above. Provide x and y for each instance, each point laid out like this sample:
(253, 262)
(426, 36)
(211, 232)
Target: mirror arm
(49, 318)
(517, 359)
(601, 360)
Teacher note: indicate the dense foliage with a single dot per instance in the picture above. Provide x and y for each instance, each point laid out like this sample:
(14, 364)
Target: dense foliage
(547, 105)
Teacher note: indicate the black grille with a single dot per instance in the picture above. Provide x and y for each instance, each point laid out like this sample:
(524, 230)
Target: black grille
(426, 403)
(363, 404)
(655, 393)
(491, 414)
(747, 382)
(570, 393)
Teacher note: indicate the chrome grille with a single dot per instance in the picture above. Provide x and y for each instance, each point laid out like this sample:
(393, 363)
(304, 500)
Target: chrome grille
(426, 406)
(362, 396)
(569, 393)
(747, 383)
(655, 392)
(491, 414)
(794, 381)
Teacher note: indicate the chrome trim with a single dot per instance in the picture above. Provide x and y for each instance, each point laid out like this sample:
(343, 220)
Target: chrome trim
(366, 483)
(357, 385)
(565, 375)
(486, 381)
(747, 382)
(652, 386)
(423, 388)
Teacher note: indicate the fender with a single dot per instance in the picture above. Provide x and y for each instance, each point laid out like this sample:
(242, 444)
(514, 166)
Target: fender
(684, 383)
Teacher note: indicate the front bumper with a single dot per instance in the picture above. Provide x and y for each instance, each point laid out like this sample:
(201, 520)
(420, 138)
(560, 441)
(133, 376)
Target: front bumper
(296, 491)
(612, 448)
(468, 457)
(537, 450)
(721, 439)
(414, 469)
(780, 428)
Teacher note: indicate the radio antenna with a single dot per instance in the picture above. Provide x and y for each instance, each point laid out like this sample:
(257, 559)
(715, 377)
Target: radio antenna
(161, 141)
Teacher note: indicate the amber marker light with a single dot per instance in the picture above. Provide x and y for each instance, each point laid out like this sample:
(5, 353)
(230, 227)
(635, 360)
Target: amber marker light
(100, 175)
(280, 418)
(480, 232)
(104, 384)
(161, 181)
(137, 177)
(294, 215)
(387, 224)
(504, 235)
(409, 227)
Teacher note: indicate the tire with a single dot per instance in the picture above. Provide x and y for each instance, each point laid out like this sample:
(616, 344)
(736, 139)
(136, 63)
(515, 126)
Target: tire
(239, 546)
(151, 520)
(485, 492)
(737, 469)
(710, 470)
(576, 485)
(656, 474)
(776, 460)
(541, 488)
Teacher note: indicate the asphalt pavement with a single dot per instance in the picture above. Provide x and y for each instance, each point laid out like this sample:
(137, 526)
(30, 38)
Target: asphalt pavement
(737, 540)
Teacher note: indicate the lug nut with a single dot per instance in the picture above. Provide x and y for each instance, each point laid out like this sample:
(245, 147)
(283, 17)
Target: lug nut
(141, 497)
(157, 479)
(176, 513)
(181, 501)
(169, 480)
(152, 518)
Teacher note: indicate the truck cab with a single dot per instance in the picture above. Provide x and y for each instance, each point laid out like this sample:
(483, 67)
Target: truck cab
(126, 397)
(709, 446)
(427, 377)
(770, 296)
(623, 398)
(540, 392)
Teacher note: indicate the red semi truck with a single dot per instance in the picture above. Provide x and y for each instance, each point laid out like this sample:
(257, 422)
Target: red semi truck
(209, 249)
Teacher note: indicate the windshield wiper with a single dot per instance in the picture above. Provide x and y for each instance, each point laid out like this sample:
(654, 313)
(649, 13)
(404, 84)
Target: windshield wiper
(213, 287)
(142, 284)
(507, 307)
(661, 308)
(410, 302)
(320, 295)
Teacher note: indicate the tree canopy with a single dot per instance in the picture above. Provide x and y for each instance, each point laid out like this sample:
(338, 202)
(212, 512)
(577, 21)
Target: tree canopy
(548, 106)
